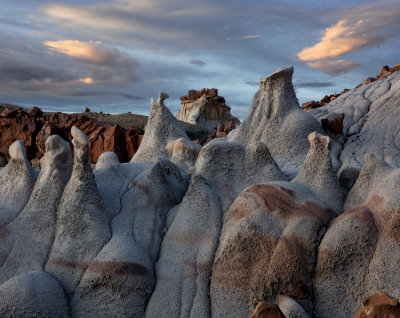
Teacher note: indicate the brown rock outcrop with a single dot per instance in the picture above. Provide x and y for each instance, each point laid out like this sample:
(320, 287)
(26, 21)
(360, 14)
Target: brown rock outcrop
(33, 127)
(205, 108)
(335, 125)
(379, 305)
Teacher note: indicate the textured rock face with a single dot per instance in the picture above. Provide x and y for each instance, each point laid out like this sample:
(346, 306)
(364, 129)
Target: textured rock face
(276, 119)
(213, 231)
(34, 128)
(205, 108)
(384, 72)
(165, 138)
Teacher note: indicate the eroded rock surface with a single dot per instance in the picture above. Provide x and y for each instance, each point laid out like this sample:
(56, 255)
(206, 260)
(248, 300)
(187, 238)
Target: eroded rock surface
(276, 119)
(275, 219)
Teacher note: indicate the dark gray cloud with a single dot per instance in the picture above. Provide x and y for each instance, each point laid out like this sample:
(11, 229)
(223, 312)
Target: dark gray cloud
(313, 84)
(252, 83)
(152, 45)
(21, 71)
(103, 93)
(197, 62)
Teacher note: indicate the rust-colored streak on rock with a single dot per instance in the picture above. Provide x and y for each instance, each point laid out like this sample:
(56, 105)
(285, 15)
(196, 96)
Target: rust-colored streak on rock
(265, 310)
(283, 201)
(4, 233)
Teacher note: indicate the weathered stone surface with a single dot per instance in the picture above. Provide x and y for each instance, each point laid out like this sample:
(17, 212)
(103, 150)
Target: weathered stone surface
(221, 230)
(276, 119)
(205, 108)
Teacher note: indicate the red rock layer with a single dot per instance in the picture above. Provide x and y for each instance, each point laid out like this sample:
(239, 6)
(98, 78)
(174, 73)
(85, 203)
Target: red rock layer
(33, 127)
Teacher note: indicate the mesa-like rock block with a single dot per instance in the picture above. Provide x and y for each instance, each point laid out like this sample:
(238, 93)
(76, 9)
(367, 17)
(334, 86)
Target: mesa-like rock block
(206, 108)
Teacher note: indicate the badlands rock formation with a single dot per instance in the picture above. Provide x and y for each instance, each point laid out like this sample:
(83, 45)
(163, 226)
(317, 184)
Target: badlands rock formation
(34, 127)
(205, 108)
(284, 217)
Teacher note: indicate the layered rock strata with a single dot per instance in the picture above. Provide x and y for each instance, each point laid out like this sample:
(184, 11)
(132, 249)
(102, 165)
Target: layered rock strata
(205, 108)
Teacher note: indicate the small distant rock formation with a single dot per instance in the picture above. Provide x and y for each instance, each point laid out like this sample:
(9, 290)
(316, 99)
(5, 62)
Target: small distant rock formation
(384, 72)
(324, 101)
(205, 108)
(34, 127)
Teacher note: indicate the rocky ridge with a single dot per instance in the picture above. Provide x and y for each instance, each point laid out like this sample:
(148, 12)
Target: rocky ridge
(283, 216)
(384, 72)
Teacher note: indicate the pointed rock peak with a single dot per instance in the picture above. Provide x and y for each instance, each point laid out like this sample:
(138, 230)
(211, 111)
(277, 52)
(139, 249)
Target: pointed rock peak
(162, 97)
(318, 159)
(107, 159)
(373, 175)
(283, 72)
(318, 174)
(276, 119)
(17, 150)
(79, 136)
(318, 141)
(162, 128)
(81, 147)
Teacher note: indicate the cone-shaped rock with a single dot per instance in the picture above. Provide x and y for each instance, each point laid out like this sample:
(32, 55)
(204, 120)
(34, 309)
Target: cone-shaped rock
(82, 222)
(276, 119)
(31, 234)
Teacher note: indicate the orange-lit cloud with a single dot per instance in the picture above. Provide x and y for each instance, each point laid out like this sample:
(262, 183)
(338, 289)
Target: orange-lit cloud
(340, 39)
(103, 64)
(337, 40)
(89, 51)
(87, 80)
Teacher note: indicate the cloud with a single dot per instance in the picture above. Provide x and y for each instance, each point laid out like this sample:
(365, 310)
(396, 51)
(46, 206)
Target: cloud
(197, 62)
(251, 36)
(252, 83)
(314, 84)
(20, 71)
(333, 67)
(340, 39)
(102, 93)
(364, 26)
(104, 64)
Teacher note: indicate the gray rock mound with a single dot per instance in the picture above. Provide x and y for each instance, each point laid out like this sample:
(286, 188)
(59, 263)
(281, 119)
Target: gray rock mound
(30, 236)
(17, 179)
(82, 221)
(162, 129)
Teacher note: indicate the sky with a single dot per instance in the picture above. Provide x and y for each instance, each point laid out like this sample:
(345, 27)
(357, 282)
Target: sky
(113, 56)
